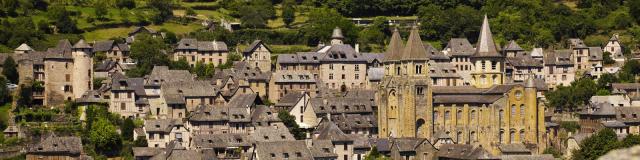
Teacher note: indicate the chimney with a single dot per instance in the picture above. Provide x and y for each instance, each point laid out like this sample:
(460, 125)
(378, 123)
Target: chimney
(357, 48)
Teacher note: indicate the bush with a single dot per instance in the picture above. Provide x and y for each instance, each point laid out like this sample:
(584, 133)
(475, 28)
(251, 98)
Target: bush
(570, 126)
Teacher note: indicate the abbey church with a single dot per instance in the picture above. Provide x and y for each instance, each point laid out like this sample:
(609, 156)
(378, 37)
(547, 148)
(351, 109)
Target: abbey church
(489, 113)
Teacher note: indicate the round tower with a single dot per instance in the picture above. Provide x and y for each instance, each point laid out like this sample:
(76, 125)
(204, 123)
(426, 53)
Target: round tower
(82, 68)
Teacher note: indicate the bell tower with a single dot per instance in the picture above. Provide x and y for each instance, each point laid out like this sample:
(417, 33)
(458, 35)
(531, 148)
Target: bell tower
(405, 93)
(488, 62)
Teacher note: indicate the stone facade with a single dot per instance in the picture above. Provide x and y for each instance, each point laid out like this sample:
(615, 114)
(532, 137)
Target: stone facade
(258, 55)
(194, 51)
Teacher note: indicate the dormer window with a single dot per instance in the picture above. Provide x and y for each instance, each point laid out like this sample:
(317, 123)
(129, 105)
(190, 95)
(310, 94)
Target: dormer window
(304, 57)
(343, 56)
(315, 58)
(157, 126)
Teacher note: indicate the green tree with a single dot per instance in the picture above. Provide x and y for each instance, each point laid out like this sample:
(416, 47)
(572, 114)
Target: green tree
(373, 35)
(375, 155)
(104, 137)
(25, 96)
(553, 151)
(10, 70)
(127, 129)
(202, 70)
(180, 64)
(319, 28)
(290, 122)
(190, 12)
(606, 58)
(5, 95)
(163, 10)
(288, 12)
(100, 9)
(603, 92)
(605, 80)
(597, 145)
(62, 19)
(140, 142)
(147, 51)
(630, 141)
(130, 4)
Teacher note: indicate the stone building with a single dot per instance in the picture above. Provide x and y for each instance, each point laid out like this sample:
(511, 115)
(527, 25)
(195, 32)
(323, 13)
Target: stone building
(126, 97)
(286, 82)
(258, 55)
(559, 68)
(194, 51)
(161, 132)
(411, 106)
(522, 67)
(67, 75)
(243, 79)
(488, 62)
(615, 48)
(54, 148)
(460, 51)
(113, 51)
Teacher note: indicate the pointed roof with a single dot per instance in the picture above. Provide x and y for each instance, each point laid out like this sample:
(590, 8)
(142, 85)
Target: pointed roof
(395, 47)
(337, 33)
(486, 47)
(24, 47)
(414, 50)
(513, 46)
(327, 130)
(81, 45)
(614, 37)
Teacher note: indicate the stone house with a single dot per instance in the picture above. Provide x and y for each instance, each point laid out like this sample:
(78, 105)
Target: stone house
(195, 51)
(615, 48)
(54, 148)
(298, 104)
(107, 68)
(224, 146)
(559, 68)
(285, 82)
(412, 149)
(142, 30)
(460, 51)
(113, 51)
(126, 95)
(243, 79)
(523, 67)
(343, 144)
(184, 97)
(292, 150)
(160, 132)
(258, 55)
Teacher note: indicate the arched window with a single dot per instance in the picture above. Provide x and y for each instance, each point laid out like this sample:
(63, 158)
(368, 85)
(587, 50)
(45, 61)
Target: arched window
(446, 115)
(495, 79)
(397, 70)
(419, 126)
(483, 79)
(512, 136)
(523, 112)
(500, 117)
(459, 137)
(513, 111)
(522, 135)
(435, 117)
(472, 136)
(501, 136)
(473, 115)
(459, 117)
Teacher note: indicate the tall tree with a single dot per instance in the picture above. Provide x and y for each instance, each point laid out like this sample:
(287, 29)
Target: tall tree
(147, 51)
(10, 70)
(104, 136)
(163, 10)
(319, 28)
(100, 9)
(288, 12)
(5, 96)
(127, 129)
(62, 19)
(597, 145)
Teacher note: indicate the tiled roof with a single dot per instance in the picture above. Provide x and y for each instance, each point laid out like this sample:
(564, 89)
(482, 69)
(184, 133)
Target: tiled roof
(328, 130)
(60, 145)
(394, 50)
(294, 150)
(486, 47)
(414, 50)
(559, 57)
(161, 125)
(253, 46)
(193, 44)
(460, 47)
(463, 151)
(102, 46)
(222, 140)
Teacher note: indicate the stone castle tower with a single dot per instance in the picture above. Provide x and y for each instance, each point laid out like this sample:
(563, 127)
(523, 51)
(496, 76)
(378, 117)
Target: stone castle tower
(488, 62)
(336, 36)
(82, 68)
(405, 92)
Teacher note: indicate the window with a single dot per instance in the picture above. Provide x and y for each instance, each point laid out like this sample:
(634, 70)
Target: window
(357, 67)
(501, 136)
(331, 66)
(483, 64)
(494, 65)
(129, 95)
(161, 135)
(343, 76)
(459, 116)
(513, 111)
(397, 70)
(67, 77)
(123, 106)
(446, 115)
(435, 117)
(116, 95)
(346, 147)
(357, 76)
(522, 112)
(418, 69)
(522, 136)
(500, 117)
(473, 115)
(564, 77)
(330, 75)
(420, 90)
(472, 136)
(512, 136)
(286, 155)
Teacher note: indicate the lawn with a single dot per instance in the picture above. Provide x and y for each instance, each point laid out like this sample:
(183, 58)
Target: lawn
(301, 17)
(103, 34)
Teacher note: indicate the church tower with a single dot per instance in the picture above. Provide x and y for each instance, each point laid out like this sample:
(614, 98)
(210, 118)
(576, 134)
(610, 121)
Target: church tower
(82, 68)
(336, 36)
(405, 91)
(488, 62)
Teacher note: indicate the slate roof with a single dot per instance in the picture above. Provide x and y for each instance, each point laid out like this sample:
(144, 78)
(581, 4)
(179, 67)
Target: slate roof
(327, 130)
(523, 61)
(226, 140)
(162, 74)
(600, 109)
(460, 47)
(465, 99)
(300, 58)
(335, 105)
(414, 50)
(24, 47)
(595, 54)
(128, 84)
(103, 46)
(242, 70)
(161, 125)
(443, 70)
(91, 96)
(350, 122)
(577, 43)
(254, 45)
(263, 115)
(407, 144)
(394, 50)
(513, 46)
(628, 114)
(58, 145)
(142, 28)
(294, 150)
(146, 151)
(322, 149)
(81, 45)
(205, 113)
(193, 44)
(463, 151)
(372, 57)
(613, 124)
(559, 57)
(105, 66)
(294, 77)
(537, 52)
(434, 54)
(290, 99)
(470, 94)
(486, 47)
(276, 132)
(342, 53)
(195, 88)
